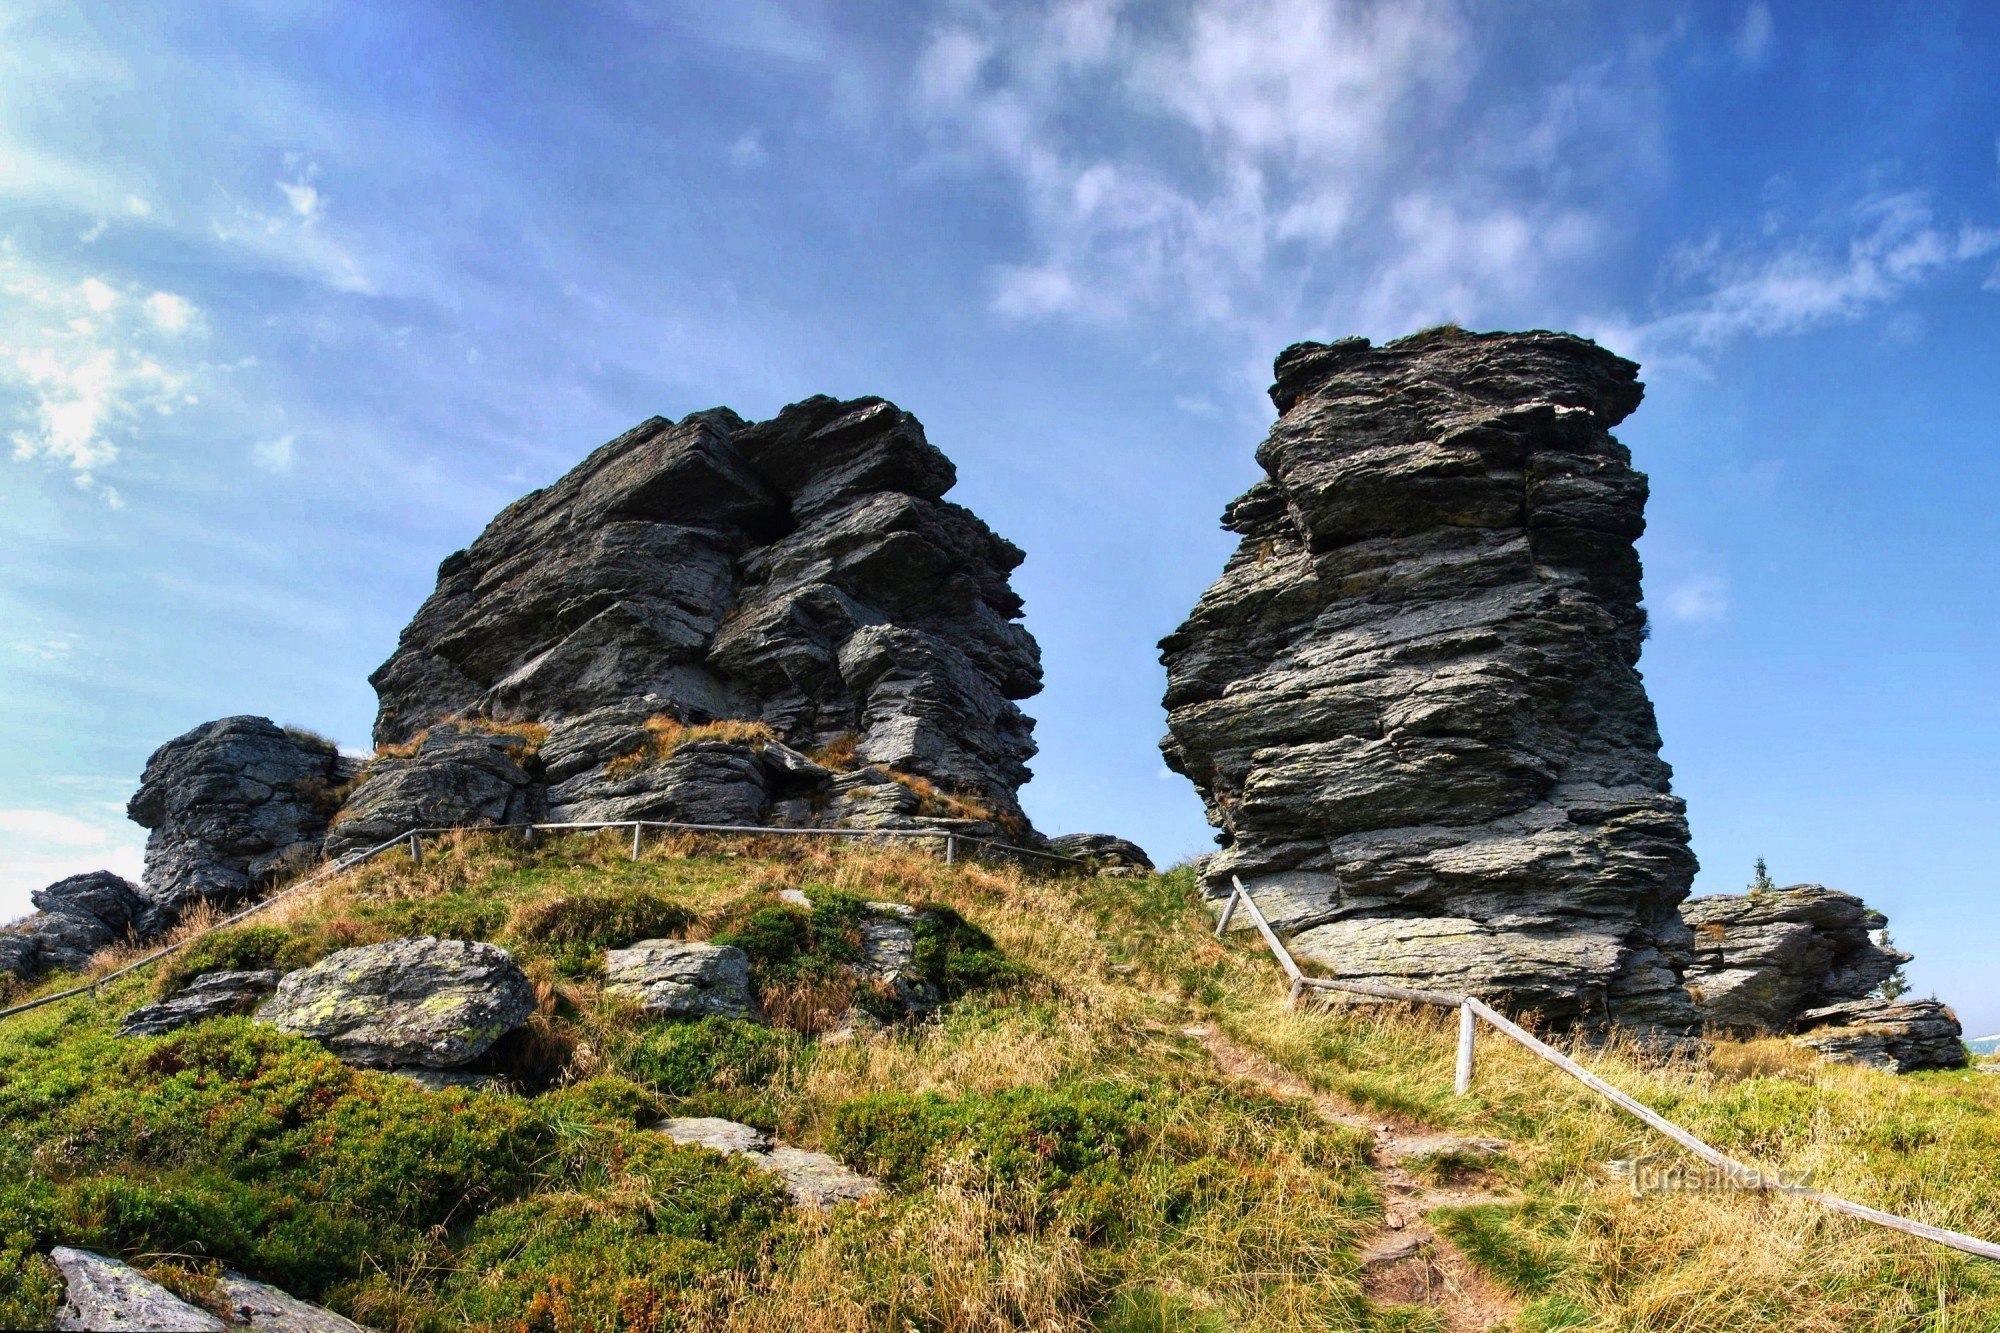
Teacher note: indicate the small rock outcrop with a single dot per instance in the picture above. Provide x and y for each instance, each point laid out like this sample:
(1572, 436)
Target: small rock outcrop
(1110, 855)
(803, 575)
(232, 804)
(455, 777)
(1898, 1036)
(102, 1294)
(210, 995)
(1760, 960)
(813, 1179)
(427, 1002)
(1411, 702)
(79, 915)
(259, 1305)
(682, 979)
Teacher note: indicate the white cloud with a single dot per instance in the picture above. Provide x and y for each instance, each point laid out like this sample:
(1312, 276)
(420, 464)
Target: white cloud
(1262, 163)
(1754, 36)
(39, 847)
(169, 313)
(748, 150)
(1702, 600)
(304, 199)
(1863, 260)
(273, 455)
(77, 372)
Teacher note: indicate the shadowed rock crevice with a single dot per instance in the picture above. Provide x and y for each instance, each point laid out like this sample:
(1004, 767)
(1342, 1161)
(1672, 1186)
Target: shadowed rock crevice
(1412, 703)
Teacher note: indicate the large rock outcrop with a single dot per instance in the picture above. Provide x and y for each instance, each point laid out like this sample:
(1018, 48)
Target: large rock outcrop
(232, 804)
(453, 777)
(77, 917)
(803, 574)
(1760, 960)
(1412, 703)
(1895, 1036)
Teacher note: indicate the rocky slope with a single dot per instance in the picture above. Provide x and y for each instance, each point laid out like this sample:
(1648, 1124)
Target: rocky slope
(1762, 959)
(802, 575)
(1411, 701)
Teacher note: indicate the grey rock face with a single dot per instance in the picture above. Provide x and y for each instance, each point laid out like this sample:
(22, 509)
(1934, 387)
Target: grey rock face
(78, 916)
(1411, 701)
(803, 572)
(682, 979)
(260, 1305)
(210, 995)
(102, 1294)
(1762, 959)
(1111, 855)
(813, 1179)
(433, 1003)
(229, 805)
(1899, 1036)
(457, 778)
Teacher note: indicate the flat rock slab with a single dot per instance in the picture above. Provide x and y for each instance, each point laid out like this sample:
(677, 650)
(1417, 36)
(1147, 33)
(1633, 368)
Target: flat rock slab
(813, 1179)
(1897, 1036)
(102, 1294)
(259, 1305)
(427, 1002)
(210, 995)
(682, 979)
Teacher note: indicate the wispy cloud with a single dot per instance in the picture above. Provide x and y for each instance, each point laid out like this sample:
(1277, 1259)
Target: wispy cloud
(1701, 600)
(274, 455)
(1852, 264)
(1754, 36)
(83, 361)
(1245, 158)
(40, 846)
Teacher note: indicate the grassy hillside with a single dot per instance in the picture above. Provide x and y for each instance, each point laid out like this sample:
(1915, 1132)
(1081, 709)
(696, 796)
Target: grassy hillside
(1114, 1125)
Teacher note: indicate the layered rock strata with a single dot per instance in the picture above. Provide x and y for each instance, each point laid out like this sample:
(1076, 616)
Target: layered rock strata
(1896, 1036)
(77, 916)
(232, 804)
(1411, 702)
(804, 574)
(453, 777)
(1760, 960)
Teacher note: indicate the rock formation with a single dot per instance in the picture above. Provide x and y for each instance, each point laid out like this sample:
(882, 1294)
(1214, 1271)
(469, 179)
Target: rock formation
(1897, 1036)
(100, 1293)
(1109, 854)
(1760, 960)
(453, 777)
(813, 1179)
(232, 804)
(210, 995)
(78, 916)
(803, 576)
(680, 979)
(1412, 703)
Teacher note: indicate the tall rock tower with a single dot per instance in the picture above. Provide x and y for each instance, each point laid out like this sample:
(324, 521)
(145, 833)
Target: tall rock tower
(1411, 702)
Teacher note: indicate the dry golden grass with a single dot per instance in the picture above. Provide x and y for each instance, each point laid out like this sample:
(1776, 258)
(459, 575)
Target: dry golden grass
(531, 735)
(664, 735)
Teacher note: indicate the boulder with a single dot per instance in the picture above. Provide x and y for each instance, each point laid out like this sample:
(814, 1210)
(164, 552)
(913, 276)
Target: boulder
(78, 916)
(813, 1179)
(682, 979)
(1898, 1036)
(1411, 701)
(210, 995)
(456, 777)
(102, 1294)
(1760, 960)
(432, 1003)
(437, 1080)
(1110, 855)
(259, 1305)
(802, 574)
(232, 804)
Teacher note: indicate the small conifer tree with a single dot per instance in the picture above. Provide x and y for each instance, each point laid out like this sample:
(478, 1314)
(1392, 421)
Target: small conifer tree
(1762, 882)
(1895, 985)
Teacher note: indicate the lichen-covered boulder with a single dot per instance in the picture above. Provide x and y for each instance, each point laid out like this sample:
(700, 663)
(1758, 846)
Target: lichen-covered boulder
(1411, 701)
(433, 1003)
(231, 804)
(102, 1295)
(803, 574)
(813, 1179)
(1107, 854)
(1898, 1036)
(682, 978)
(210, 995)
(258, 1305)
(457, 777)
(1760, 960)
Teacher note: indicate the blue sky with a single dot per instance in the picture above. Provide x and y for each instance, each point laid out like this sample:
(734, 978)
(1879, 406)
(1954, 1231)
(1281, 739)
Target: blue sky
(294, 297)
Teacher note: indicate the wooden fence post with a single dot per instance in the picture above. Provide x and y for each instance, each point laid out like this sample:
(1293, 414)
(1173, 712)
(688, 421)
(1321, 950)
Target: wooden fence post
(416, 851)
(1463, 1083)
(1228, 910)
(637, 829)
(950, 849)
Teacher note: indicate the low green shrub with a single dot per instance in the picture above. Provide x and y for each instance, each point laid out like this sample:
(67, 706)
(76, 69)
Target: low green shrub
(1019, 1135)
(709, 1054)
(574, 929)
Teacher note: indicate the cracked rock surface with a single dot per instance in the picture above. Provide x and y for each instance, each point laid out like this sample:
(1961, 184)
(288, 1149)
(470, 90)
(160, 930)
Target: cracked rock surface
(1411, 702)
(805, 573)
(1760, 960)
(1899, 1036)
(427, 1002)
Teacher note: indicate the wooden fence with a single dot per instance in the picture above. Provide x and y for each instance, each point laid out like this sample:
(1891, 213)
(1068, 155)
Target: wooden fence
(1471, 1010)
